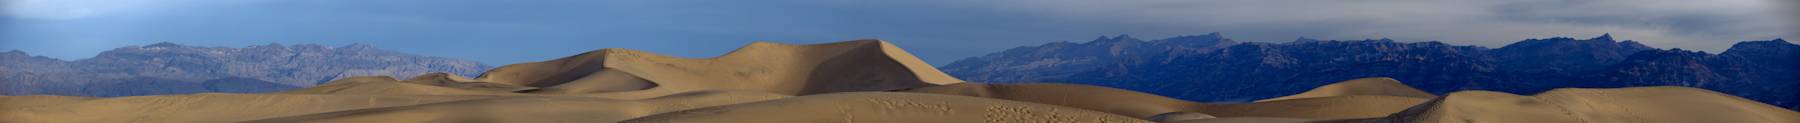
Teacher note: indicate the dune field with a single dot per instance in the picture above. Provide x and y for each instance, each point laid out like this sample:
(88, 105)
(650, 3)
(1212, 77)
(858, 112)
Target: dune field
(862, 81)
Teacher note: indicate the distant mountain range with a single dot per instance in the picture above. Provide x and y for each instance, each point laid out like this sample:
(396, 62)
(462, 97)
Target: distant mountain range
(167, 68)
(1217, 69)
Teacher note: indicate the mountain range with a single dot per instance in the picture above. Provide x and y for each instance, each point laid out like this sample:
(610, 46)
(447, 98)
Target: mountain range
(168, 68)
(1213, 68)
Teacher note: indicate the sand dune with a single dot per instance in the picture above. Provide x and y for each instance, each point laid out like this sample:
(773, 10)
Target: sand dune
(1264, 120)
(1147, 106)
(1624, 105)
(1338, 107)
(854, 81)
(1366, 86)
(204, 108)
(533, 109)
(880, 107)
(1109, 100)
(7, 102)
(862, 65)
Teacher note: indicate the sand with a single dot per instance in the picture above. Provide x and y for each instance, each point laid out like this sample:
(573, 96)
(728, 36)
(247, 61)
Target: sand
(887, 107)
(32, 101)
(1666, 104)
(1366, 86)
(533, 109)
(852, 81)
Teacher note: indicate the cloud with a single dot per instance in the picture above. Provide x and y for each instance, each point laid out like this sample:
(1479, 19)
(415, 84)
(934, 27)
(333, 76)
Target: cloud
(1792, 8)
(79, 9)
(53, 9)
(1743, 18)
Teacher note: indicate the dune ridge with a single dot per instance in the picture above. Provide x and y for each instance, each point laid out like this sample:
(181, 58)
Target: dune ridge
(1660, 104)
(860, 65)
(853, 81)
(1366, 86)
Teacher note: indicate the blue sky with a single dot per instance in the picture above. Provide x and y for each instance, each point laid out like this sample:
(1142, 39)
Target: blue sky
(939, 31)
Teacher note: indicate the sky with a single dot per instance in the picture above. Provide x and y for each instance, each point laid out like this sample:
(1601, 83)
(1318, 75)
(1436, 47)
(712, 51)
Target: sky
(940, 31)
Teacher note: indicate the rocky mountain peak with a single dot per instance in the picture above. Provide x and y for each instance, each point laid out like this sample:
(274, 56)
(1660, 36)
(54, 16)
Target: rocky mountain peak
(1603, 37)
(1562, 55)
(1115, 39)
(1777, 43)
(1771, 50)
(1122, 37)
(1558, 44)
(15, 53)
(1634, 44)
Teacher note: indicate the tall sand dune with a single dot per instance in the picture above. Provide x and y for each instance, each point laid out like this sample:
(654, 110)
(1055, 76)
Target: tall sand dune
(853, 81)
(862, 65)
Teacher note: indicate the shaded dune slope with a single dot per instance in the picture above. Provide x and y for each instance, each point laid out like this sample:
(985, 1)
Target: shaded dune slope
(854, 81)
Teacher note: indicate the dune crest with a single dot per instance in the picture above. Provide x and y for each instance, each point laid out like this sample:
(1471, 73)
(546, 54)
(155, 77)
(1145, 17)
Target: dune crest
(1366, 86)
(533, 109)
(861, 65)
(1663, 104)
(853, 81)
(1109, 100)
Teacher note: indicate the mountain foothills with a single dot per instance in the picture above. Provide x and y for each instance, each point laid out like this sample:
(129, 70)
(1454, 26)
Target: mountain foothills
(873, 81)
(1212, 68)
(167, 68)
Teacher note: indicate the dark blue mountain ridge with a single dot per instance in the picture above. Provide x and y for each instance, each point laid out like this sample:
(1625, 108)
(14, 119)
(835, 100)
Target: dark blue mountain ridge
(1241, 71)
(168, 68)
(1562, 55)
(1065, 59)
